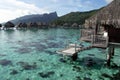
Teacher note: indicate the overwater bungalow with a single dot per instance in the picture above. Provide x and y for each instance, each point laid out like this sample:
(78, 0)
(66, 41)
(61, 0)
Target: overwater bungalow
(0, 26)
(74, 25)
(22, 25)
(103, 28)
(28, 24)
(39, 24)
(8, 25)
(34, 24)
(66, 25)
(43, 25)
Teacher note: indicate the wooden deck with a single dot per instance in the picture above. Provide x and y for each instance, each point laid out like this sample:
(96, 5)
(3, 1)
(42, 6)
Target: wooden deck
(71, 50)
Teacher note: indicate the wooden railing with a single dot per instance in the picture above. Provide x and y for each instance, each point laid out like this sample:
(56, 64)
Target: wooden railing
(99, 41)
(86, 34)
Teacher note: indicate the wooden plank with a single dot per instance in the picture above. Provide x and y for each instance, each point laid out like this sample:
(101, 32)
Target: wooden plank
(116, 44)
(86, 38)
(69, 51)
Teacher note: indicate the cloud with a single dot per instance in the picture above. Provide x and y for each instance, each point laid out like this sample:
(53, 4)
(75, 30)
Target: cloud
(65, 6)
(10, 9)
(108, 1)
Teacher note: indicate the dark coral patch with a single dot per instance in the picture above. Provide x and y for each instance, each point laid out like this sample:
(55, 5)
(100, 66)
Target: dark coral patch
(2, 55)
(91, 54)
(5, 62)
(76, 68)
(50, 52)
(53, 45)
(61, 75)
(40, 47)
(116, 76)
(25, 44)
(47, 74)
(63, 37)
(27, 79)
(85, 78)
(106, 76)
(23, 50)
(41, 60)
(89, 61)
(51, 38)
(27, 66)
(78, 78)
(13, 72)
(62, 60)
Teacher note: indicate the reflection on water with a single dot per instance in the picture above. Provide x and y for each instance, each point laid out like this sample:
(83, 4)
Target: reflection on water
(30, 55)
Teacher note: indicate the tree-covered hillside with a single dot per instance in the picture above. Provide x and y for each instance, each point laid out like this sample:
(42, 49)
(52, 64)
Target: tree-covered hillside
(74, 17)
(46, 18)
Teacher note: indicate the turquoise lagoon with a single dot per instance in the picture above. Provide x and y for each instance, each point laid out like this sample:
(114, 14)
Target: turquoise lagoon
(30, 55)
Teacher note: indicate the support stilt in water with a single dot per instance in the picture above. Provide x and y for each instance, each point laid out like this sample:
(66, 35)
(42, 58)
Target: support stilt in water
(75, 56)
(110, 54)
(112, 50)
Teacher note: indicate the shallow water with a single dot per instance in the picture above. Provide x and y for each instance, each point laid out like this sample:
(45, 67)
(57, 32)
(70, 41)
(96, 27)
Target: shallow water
(30, 55)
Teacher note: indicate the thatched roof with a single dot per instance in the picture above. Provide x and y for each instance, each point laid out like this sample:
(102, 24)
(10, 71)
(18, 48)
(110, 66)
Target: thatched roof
(9, 24)
(74, 25)
(34, 24)
(22, 25)
(109, 15)
(39, 23)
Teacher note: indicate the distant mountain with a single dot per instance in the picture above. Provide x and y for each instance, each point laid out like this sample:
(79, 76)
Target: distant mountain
(75, 17)
(47, 18)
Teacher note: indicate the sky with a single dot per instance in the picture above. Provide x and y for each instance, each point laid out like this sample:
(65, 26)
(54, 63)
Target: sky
(11, 9)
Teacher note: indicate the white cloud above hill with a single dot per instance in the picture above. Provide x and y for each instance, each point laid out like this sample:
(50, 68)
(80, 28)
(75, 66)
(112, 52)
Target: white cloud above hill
(10, 9)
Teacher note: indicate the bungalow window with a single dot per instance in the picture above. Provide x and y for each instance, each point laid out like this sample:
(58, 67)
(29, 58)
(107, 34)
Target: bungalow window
(105, 34)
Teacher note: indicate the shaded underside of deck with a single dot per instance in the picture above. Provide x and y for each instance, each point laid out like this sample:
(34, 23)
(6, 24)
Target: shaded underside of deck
(99, 46)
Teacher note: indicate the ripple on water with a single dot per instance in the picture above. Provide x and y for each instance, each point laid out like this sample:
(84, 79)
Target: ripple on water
(35, 65)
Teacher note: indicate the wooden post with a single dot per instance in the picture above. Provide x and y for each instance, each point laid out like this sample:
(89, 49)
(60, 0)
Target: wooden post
(75, 56)
(107, 40)
(110, 54)
(93, 39)
(75, 47)
(112, 50)
(80, 33)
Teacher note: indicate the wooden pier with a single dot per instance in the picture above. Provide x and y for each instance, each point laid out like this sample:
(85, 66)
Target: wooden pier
(73, 50)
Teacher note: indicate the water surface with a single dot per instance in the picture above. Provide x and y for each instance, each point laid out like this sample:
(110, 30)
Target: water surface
(30, 55)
